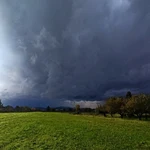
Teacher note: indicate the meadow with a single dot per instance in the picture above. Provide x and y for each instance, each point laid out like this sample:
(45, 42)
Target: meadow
(62, 131)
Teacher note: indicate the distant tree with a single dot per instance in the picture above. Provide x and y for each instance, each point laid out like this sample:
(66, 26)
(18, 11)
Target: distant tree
(1, 104)
(101, 109)
(87, 109)
(120, 106)
(111, 105)
(128, 95)
(130, 105)
(52, 109)
(77, 108)
(17, 108)
(26, 109)
(142, 105)
(48, 108)
(115, 105)
(70, 109)
(9, 108)
(22, 109)
(33, 109)
(147, 111)
(138, 105)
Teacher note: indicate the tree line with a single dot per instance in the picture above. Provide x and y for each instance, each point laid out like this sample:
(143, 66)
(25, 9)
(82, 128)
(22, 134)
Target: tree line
(128, 106)
(9, 108)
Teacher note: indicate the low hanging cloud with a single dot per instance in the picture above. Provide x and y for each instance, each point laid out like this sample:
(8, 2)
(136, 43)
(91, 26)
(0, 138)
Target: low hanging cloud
(83, 103)
(83, 49)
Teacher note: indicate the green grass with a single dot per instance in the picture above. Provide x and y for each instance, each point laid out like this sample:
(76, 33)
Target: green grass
(58, 131)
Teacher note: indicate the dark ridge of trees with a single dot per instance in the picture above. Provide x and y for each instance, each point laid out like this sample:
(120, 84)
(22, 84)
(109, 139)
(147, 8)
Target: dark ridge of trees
(48, 108)
(128, 106)
(77, 108)
(101, 109)
(137, 106)
(128, 95)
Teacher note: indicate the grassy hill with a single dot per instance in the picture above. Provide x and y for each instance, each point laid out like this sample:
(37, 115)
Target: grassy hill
(59, 131)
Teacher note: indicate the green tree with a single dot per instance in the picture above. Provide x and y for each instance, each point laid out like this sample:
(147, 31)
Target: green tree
(128, 95)
(116, 105)
(147, 111)
(120, 106)
(130, 105)
(77, 108)
(138, 105)
(101, 109)
(111, 105)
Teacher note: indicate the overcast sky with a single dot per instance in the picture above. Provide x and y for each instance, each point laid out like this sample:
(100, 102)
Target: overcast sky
(53, 51)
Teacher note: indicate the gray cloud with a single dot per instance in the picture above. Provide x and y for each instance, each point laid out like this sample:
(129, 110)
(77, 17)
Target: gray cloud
(75, 49)
(83, 103)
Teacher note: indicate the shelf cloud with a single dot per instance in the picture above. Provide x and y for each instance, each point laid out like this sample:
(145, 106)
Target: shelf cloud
(52, 51)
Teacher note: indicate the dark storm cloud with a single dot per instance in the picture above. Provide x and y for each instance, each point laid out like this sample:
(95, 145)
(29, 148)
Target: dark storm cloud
(80, 49)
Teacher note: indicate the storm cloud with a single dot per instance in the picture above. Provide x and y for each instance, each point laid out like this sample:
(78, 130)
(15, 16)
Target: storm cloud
(56, 50)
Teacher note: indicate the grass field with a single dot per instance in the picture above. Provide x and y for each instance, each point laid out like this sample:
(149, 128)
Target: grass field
(58, 131)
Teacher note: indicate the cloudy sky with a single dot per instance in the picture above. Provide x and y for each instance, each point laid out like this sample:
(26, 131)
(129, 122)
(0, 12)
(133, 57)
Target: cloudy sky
(53, 51)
